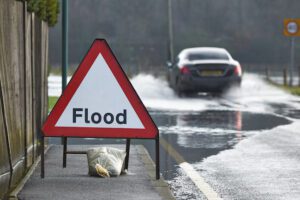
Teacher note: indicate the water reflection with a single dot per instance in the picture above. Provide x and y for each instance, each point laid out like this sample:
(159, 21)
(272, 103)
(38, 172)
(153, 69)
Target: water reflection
(216, 120)
(239, 125)
(193, 131)
(198, 135)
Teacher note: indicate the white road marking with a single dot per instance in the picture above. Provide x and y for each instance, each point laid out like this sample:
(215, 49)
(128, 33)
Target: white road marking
(200, 183)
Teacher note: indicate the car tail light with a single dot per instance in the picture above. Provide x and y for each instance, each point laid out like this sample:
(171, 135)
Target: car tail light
(238, 70)
(185, 70)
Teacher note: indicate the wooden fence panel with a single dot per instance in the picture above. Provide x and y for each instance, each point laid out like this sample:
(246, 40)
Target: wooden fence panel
(23, 86)
(5, 167)
(28, 101)
(33, 86)
(4, 158)
(14, 102)
(37, 79)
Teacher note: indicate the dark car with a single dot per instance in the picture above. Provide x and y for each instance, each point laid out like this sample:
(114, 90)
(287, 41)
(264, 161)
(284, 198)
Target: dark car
(203, 69)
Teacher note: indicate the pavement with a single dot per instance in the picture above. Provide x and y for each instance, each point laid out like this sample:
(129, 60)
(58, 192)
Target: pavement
(74, 182)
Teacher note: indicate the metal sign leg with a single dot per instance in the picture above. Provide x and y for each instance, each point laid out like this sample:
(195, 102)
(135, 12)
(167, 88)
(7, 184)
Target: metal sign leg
(157, 157)
(127, 153)
(65, 152)
(43, 158)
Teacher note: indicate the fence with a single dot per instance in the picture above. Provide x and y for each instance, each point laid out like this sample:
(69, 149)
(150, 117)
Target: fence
(277, 73)
(23, 91)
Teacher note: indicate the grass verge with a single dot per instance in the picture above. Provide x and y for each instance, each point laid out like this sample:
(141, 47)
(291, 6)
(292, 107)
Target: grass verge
(295, 90)
(51, 102)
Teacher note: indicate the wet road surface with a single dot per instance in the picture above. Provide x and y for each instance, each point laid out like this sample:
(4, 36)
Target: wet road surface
(199, 127)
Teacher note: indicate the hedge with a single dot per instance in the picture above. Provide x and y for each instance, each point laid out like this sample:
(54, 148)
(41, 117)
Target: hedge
(46, 10)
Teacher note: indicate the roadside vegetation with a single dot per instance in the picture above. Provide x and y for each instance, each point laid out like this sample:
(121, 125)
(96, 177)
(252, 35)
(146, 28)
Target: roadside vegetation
(295, 90)
(51, 102)
(46, 10)
(57, 70)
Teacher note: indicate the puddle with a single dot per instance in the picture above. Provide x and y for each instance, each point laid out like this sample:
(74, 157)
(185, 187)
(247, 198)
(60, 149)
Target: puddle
(198, 135)
(216, 121)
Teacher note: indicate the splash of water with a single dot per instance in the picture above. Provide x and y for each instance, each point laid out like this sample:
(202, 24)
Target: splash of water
(254, 95)
(155, 93)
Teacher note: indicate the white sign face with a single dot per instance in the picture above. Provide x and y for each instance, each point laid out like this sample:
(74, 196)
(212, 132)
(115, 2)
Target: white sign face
(292, 27)
(99, 102)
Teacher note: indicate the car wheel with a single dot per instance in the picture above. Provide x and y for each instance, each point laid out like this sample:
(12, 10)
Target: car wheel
(191, 94)
(179, 92)
(177, 89)
(217, 94)
(168, 80)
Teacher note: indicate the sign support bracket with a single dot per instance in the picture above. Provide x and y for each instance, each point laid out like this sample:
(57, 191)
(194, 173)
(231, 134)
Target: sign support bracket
(65, 152)
(157, 165)
(74, 114)
(65, 140)
(43, 158)
(127, 153)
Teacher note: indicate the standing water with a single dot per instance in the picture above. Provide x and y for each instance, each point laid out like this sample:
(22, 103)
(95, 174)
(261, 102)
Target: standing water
(203, 125)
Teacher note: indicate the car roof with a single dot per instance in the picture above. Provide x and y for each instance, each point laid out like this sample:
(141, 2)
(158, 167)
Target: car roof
(187, 51)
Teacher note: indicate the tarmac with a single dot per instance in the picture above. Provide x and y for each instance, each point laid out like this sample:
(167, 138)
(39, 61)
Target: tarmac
(73, 182)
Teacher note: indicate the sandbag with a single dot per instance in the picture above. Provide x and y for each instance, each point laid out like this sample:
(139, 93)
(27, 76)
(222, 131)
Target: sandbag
(105, 161)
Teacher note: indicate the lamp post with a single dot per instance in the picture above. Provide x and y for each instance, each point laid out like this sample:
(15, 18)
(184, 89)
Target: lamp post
(170, 30)
(64, 43)
(64, 61)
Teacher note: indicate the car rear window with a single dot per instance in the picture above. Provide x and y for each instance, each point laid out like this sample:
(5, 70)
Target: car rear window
(207, 56)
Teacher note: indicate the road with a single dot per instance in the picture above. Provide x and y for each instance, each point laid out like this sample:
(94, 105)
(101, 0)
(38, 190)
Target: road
(212, 147)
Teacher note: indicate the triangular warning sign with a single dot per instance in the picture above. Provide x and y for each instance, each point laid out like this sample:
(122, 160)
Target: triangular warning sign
(99, 101)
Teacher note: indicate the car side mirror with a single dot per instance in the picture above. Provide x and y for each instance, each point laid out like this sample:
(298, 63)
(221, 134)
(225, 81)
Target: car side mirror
(169, 64)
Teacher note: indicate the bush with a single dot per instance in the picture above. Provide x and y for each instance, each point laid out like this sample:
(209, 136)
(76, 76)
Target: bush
(46, 10)
(52, 12)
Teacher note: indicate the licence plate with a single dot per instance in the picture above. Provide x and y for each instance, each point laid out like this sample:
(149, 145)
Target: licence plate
(210, 73)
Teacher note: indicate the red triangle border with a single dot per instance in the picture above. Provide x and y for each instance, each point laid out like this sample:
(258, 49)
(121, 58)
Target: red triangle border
(100, 46)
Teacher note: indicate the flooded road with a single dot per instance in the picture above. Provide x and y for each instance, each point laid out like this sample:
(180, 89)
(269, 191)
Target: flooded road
(202, 126)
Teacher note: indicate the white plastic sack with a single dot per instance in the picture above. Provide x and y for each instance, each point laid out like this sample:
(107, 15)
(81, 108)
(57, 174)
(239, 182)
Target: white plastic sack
(105, 161)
